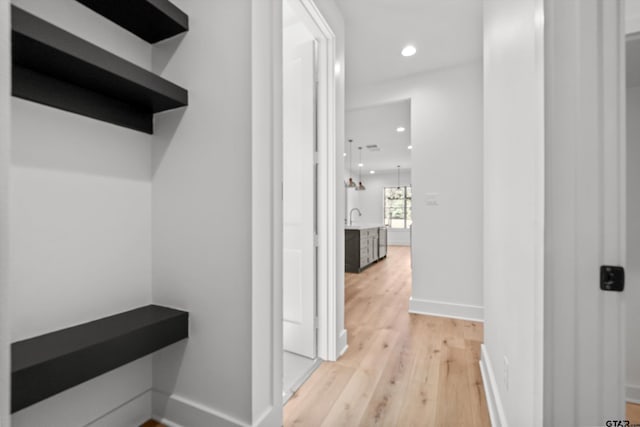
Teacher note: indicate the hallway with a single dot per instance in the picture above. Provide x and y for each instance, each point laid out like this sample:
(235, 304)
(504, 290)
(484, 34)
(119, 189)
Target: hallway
(400, 368)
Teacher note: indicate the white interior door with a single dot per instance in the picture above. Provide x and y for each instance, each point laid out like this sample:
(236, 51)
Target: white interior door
(584, 212)
(299, 257)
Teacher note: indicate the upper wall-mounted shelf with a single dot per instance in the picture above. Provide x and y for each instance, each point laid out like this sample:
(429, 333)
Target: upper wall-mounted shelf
(49, 364)
(151, 20)
(56, 68)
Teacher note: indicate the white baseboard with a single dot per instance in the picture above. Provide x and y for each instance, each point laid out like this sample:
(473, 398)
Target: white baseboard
(633, 393)
(397, 237)
(398, 241)
(270, 418)
(286, 395)
(177, 411)
(131, 413)
(446, 309)
(494, 403)
(342, 343)
(116, 398)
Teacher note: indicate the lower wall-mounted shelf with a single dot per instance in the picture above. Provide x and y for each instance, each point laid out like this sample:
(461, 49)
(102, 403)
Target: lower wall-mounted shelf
(56, 68)
(49, 364)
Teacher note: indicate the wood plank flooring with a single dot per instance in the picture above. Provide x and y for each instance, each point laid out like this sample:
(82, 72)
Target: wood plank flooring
(633, 410)
(400, 369)
(633, 413)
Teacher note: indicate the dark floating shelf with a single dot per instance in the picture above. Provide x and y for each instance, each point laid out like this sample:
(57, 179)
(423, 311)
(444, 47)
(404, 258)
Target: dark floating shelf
(49, 364)
(151, 20)
(56, 68)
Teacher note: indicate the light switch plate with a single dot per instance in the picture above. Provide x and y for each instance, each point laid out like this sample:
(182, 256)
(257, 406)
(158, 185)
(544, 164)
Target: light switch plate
(432, 199)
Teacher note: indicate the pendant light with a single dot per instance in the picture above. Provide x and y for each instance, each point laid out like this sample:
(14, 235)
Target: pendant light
(398, 177)
(360, 187)
(350, 183)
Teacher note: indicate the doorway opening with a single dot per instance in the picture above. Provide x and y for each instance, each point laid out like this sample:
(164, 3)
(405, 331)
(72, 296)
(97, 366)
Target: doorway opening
(300, 225)
(378, 156)
(309, 306)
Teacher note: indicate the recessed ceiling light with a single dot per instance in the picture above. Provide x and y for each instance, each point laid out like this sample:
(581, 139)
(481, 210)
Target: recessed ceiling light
(344, 154)
(410, 147)
(399, 129)
(409, 51)
(360, 165)
(372, 172)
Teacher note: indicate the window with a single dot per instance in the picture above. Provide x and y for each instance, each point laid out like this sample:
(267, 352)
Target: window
(397, 207)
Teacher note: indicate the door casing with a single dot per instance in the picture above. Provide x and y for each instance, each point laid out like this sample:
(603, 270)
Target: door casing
(326, 188)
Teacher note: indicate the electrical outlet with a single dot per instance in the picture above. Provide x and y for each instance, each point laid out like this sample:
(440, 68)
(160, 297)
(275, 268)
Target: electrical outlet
(506, 373)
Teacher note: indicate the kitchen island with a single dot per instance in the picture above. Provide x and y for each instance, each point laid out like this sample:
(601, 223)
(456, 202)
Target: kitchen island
(363, 245)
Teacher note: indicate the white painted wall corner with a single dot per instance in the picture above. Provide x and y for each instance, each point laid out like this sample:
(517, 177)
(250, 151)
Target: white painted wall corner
(178, 411)
(133, 412)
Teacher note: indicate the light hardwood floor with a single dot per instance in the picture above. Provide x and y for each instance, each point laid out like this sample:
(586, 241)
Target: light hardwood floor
(633, 413)
(400, 369)
(633, 416)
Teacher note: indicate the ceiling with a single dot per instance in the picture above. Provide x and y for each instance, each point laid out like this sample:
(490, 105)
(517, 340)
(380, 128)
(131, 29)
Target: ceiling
(445, 32)
(377, 126)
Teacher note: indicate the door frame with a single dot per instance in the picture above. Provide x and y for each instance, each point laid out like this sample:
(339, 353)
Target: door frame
(326, 201)
(266, 204)
(5, 150)
(630, 390)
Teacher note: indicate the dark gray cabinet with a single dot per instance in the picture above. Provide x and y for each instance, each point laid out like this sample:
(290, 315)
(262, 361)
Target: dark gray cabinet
(364, 247)
(382, 242)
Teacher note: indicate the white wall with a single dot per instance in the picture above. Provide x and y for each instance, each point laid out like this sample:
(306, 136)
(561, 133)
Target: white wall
(632, 288)
(202, 183)
(202, 229)
(81, 226)
(632, 16)
(267, 213)
(513, 215)
(82, 200)
(371, 202)
(446, 125)
(87, 24)
(5, 164)
(81, 211)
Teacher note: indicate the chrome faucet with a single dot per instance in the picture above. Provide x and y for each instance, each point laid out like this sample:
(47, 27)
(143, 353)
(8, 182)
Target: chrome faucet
(351, 215)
